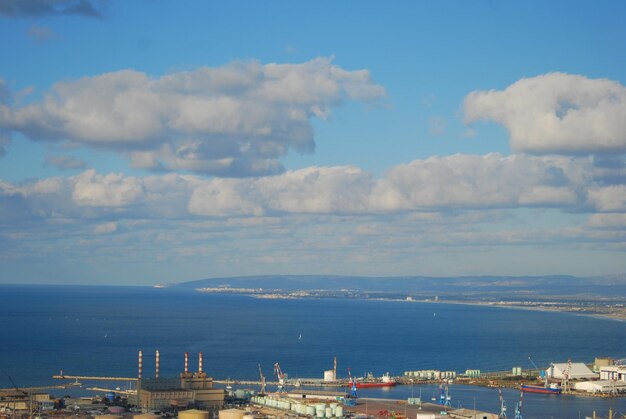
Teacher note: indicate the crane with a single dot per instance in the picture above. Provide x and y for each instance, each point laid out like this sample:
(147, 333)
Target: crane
(566, 376)
(352, 385)
(280, 376)
(262, 380)
(502, 405)
(535, 366)
(30, 398)
(518, 406)
(448, 397)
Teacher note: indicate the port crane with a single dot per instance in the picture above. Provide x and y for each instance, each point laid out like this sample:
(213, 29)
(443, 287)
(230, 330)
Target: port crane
(444, 396)
(566, 377)
(281, 377)
(262, 380)
(518, 406)
(502, 414)
(539, 370)
(352, 385)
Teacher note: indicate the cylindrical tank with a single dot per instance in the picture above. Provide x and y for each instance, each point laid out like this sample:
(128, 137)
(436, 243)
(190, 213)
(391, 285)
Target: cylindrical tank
(193, 414)
(329, 412)
(320, 409)
(339, 411)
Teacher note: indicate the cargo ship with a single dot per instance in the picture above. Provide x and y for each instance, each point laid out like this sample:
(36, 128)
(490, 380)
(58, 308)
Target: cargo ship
(551, 389)
(365, 384)
(370, 382)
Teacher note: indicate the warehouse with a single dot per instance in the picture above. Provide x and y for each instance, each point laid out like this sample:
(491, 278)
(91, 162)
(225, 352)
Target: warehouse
(577, 371)
(601, 386)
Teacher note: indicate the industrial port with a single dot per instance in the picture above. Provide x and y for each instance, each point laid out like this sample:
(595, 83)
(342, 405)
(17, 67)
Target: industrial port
(195, 395)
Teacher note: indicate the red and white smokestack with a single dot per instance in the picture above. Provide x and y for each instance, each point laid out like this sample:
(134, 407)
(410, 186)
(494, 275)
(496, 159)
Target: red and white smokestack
(157, 365)
(186, 362)
(200, 362)
(140, 364)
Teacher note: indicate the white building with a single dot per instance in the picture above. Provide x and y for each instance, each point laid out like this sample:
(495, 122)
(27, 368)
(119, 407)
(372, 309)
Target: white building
(613, 372)
(601, 386)
(578, 371)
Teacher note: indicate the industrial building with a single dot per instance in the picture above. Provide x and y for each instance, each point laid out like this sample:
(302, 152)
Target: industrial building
(331, 375)
(430, 374)
(188, 389)
(613, 372)
(601, 387)
(576, 371)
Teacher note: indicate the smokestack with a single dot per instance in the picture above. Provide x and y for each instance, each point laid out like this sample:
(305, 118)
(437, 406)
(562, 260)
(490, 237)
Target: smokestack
(200, 362)
(140, 364)
(157, 365)
(186, 362)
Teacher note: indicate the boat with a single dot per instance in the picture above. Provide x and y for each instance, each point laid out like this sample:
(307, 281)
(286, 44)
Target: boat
(551, 389)
(364, 384)
(370, 382)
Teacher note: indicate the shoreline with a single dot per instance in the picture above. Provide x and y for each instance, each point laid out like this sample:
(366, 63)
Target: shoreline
(530, 305)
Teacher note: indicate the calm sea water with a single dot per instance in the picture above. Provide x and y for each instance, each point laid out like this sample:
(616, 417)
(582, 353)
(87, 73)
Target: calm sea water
(98, 331)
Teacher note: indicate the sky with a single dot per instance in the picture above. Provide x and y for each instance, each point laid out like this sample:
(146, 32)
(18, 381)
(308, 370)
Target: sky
(159, 141)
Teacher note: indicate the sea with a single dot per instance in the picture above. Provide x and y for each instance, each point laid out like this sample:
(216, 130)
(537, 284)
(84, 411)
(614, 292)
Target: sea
(98, 331)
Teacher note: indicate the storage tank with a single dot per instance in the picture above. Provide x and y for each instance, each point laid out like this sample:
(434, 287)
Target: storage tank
(339, 411)
(232, 414)
(193, 414)
(146, 416)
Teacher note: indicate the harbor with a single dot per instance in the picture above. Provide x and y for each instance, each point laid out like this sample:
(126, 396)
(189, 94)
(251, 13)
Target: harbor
(433, 392)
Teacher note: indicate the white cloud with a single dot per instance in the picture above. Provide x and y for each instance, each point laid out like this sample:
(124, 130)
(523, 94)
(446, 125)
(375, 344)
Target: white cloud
(608, 198)
(556, 113)
(232, 120)
(436, 183)
(111, 190)
(105, 228)
(466, 181)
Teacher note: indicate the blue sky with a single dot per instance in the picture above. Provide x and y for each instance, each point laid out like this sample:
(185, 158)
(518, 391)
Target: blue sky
(161, 141)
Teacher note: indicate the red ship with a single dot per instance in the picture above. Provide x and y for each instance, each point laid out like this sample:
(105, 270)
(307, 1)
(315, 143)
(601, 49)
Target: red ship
(551, 389)
(375, 384)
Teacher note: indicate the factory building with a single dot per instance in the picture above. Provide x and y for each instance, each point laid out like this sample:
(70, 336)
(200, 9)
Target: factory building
(577, 371)
(613, 372)
(331, 375)
(188, 389)
(430, 374)
(601, 387)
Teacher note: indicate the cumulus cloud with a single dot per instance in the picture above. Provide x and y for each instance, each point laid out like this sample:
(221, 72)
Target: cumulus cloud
(25, 8)
(428, 186)
(608, 198)
(233, 120)
(333, 216)
(556, 113)
(111, 190)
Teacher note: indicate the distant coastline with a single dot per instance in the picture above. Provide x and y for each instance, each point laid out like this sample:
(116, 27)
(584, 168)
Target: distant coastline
(609, 310)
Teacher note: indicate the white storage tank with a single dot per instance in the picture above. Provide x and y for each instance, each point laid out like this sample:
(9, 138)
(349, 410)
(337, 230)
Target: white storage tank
(193, 414)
